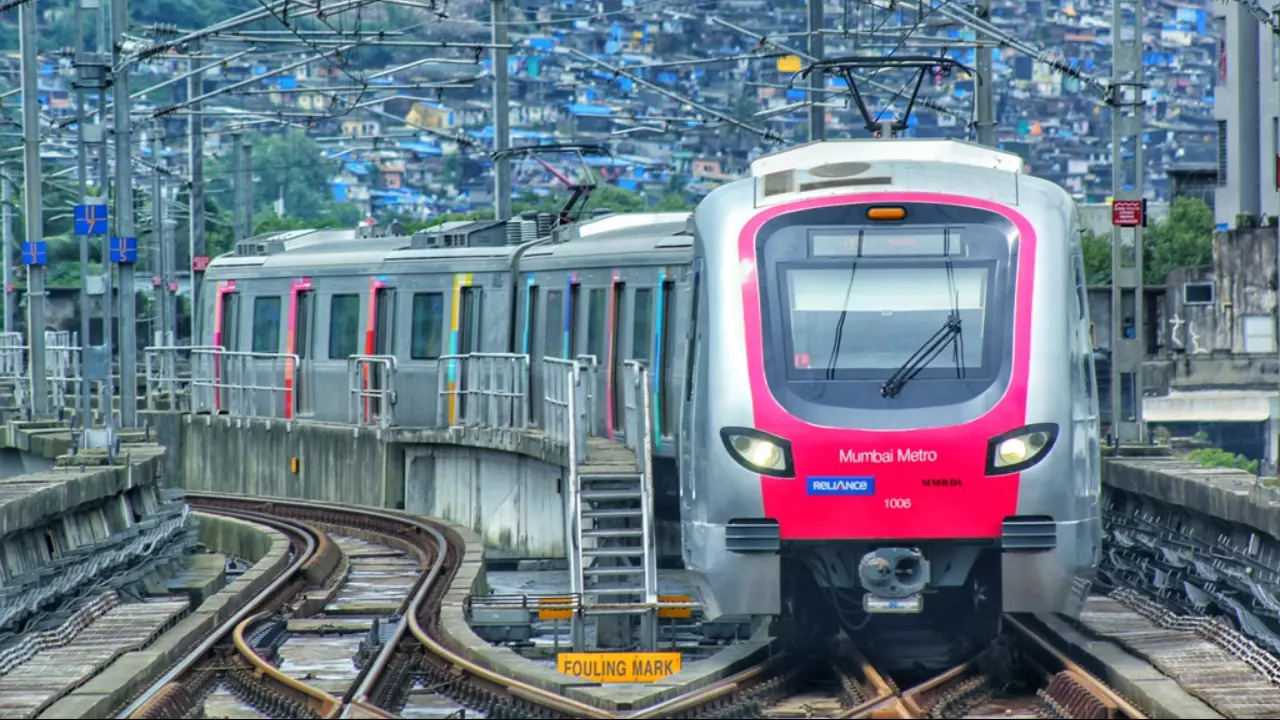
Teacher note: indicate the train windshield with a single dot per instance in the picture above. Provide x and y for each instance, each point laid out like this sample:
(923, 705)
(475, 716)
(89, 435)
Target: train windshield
(848, 302)
(875, 317)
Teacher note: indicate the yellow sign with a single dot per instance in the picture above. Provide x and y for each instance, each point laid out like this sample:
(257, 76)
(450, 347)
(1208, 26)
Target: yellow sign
(790, 63)
(683, 612)
(559, 608)
(619, 667)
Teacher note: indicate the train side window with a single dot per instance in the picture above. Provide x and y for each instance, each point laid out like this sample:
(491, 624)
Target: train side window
(1082, 288)
(575, 312)
(530, 319)
(642, 325)
(266, 325)
(344, 326)
(230, 327)
(552, 333)
(691, 348)
(597, 311)
(668, 349)
(427, 332)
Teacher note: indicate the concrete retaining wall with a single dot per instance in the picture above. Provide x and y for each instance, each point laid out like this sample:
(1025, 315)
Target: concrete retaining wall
(505, 486)
(81, 514)
(513, 501)
(133, 672)
(253, 457)
(1233, 496)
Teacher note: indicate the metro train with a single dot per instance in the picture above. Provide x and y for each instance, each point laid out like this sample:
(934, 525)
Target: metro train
(873, 389)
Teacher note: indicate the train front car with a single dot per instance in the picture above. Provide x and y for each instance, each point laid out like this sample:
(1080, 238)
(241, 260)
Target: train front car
(892, 420)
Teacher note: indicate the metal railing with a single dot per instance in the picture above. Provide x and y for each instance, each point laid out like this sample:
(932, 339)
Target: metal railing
(244, 384)
(371, 381)
(638, 406)
(62, 368)
(168, 371)
(566, 388)
(483, 390)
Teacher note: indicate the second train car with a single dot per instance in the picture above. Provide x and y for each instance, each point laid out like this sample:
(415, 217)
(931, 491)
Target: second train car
(873, 385)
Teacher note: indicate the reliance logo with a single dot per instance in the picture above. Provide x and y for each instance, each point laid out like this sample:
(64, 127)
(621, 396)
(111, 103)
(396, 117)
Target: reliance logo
(858, 485)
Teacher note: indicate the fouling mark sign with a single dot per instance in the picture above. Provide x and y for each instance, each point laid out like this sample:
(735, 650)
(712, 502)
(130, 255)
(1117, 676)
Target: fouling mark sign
(619, 667)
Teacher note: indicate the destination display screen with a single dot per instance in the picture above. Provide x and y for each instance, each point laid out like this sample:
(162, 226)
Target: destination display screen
(883, 242)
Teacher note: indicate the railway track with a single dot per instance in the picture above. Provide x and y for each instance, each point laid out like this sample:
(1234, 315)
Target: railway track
(1022, 675)
(410, 652)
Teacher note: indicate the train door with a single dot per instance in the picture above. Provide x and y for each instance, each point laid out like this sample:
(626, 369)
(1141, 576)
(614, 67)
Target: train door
(533, 348)
(226, 331)
(470, 317)
(552, 341)
(379, 340)
(299, 343)
(597, 331)
(664, 396)
(616, 370)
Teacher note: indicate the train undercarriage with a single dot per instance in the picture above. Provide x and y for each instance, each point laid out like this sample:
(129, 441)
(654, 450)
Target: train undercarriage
(893, 597)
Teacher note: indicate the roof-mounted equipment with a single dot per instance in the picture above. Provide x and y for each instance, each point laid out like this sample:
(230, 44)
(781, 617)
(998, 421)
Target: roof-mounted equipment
(572, 209)
(923, 65)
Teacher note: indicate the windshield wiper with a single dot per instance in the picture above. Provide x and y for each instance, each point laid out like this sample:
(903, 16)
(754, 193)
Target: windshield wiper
(922, 357)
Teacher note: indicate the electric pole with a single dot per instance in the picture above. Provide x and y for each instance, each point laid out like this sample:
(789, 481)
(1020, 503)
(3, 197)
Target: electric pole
(1128, 341)
(127, 253)
(6, 218)
(83, 74)
(817, 98)
(246, 185)
(986, 120)
(161, 296)
(195, 196)
(501, 113)
(34, 254)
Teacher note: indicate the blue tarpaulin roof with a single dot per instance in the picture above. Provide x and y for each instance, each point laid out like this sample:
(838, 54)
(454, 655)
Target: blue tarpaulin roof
(595, 110)
(422, 148)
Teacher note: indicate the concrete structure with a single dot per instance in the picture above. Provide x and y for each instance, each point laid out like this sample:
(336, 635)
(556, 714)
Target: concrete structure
(79, 522)
(133, 672)
(1247, 109)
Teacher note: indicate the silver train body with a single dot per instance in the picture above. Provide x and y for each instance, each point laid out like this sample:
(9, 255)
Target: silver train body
(680, 292)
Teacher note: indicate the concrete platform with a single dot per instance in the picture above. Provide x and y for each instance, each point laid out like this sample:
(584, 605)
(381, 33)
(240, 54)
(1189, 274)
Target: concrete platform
(132, 673)
(1158, 695)
(1231, 495)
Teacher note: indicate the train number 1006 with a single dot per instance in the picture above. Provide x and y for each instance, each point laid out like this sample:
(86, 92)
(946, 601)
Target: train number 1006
(898, 503)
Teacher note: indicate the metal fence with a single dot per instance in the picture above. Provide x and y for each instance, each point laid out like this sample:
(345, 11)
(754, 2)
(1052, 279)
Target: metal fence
(558, 403)
(637, 417)
(62, 368)
(168, 373)
(483, 390)
(371, 381)
(244, 384)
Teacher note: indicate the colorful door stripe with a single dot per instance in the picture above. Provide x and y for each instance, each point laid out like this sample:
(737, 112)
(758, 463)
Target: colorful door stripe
(300, 285)
(370, 337)
(225, 287)
(460, 280)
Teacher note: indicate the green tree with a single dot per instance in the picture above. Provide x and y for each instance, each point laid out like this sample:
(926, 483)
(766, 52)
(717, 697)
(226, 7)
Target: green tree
(1183, 240)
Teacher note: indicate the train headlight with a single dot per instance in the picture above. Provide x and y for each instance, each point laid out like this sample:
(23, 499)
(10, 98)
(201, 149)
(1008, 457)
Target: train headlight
(758, 451)
(1020, 449)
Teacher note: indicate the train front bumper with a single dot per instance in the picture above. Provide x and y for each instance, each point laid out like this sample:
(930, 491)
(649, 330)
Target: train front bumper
(1037, 578)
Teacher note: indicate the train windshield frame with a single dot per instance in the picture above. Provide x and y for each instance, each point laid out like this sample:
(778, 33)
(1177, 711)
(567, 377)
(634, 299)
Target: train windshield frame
(884, 289)
(863, 320)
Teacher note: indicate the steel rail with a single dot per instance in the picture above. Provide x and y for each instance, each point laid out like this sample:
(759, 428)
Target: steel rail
(410, 622)
(190, 659)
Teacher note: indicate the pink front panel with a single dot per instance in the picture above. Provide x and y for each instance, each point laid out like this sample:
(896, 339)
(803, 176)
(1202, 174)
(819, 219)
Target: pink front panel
(928, 483)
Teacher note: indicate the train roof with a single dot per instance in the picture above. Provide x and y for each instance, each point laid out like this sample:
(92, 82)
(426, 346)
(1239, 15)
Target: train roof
(815, 155)
(606, 235)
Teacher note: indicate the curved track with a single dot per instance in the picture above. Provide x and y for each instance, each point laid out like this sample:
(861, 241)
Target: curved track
(1023, 675)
